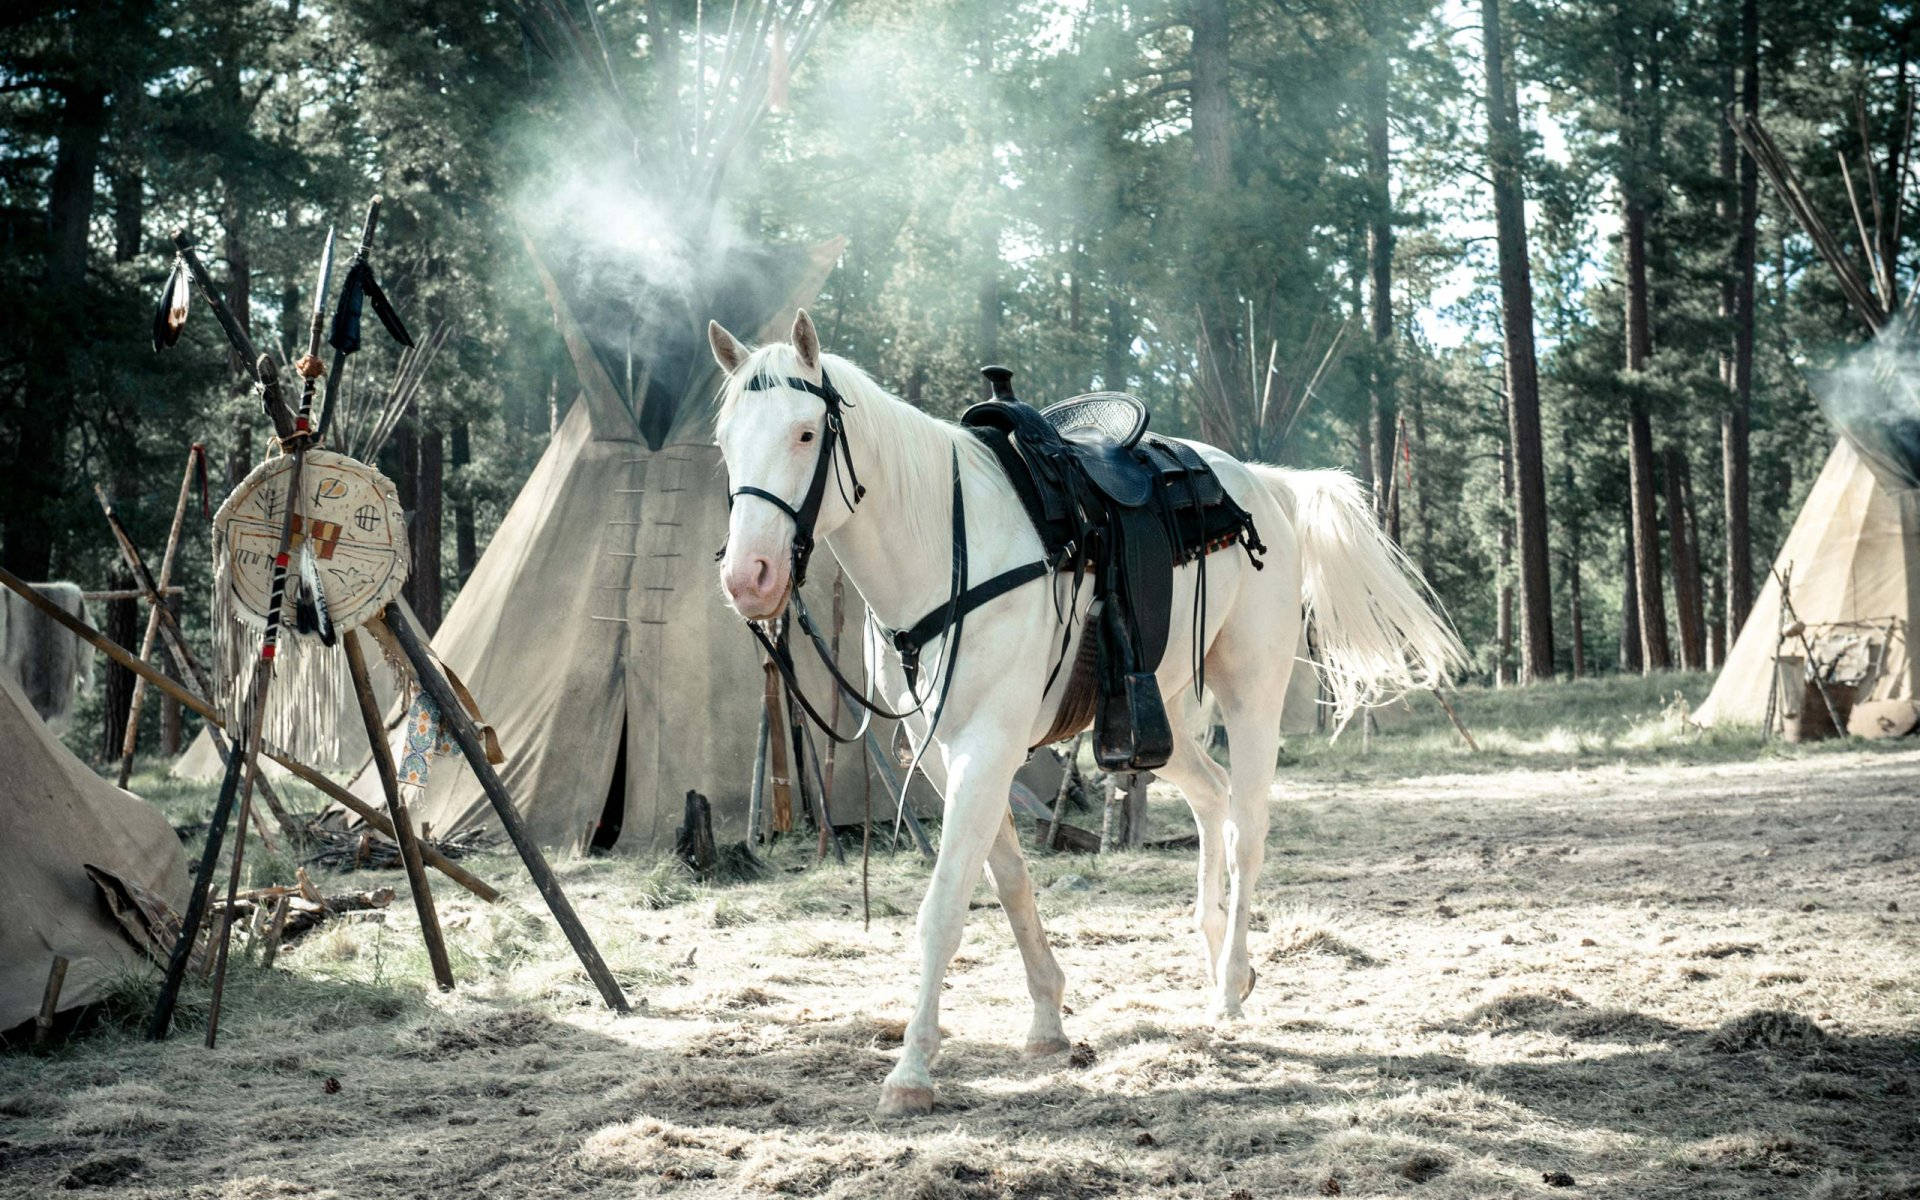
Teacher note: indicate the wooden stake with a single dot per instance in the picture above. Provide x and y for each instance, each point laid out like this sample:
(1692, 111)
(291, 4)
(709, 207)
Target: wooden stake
(1455, 718)
(171, 687)
(50, 1001)
(833, 722)
(757, 794)
(153, 615)
(1069, 769)
(455, 720)
(276, 929)
(1813, 667)
(397, 811)
(782, 780)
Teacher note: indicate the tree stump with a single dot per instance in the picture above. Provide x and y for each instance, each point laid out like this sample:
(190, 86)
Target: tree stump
(693, 841)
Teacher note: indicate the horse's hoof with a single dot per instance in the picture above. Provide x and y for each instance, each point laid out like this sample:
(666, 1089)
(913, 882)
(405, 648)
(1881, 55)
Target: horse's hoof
(1046, 1046)
(1252, 977)
(897, 1100)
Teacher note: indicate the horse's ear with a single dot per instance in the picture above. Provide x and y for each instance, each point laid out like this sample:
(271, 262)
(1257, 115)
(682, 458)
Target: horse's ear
(727, 350)
(806, 341)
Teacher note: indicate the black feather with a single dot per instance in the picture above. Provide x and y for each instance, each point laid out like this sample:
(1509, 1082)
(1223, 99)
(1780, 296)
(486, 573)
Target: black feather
(312, 611)
(382, 308)
(345, 335)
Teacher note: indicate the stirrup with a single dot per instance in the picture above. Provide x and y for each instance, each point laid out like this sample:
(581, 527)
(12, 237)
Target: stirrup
(1131, 731)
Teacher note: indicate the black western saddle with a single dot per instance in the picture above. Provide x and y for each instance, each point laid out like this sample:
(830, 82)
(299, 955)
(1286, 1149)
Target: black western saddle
(1125, 508)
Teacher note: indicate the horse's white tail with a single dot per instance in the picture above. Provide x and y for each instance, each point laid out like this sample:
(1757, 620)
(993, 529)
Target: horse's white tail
(1378, 631)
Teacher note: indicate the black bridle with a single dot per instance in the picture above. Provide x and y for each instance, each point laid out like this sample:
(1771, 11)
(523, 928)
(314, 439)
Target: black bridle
(835, 458)
(833, 441)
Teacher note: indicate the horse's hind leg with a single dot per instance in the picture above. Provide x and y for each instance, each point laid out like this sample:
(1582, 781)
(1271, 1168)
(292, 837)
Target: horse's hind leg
(1204, 783)
(1045, 982)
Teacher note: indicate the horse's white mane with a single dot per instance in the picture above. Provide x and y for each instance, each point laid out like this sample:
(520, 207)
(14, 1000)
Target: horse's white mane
(904, 454)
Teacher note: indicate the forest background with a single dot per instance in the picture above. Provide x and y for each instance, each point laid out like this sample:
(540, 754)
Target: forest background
(1500, 258)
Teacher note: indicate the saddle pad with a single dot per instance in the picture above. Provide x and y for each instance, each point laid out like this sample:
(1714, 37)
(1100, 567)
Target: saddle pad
(1102, 416)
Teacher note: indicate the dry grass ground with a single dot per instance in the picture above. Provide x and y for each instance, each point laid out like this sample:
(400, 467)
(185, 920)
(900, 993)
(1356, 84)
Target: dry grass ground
(1607, 958)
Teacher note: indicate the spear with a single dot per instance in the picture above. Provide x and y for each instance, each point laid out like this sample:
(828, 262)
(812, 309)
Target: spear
(299, 441)
(310, 369)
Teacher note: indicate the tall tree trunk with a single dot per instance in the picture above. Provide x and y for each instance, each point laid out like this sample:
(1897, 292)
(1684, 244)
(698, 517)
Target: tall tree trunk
(1633, 184)
(1734, 440)
(1422, 505)
(123, 626)
(1700, 611)
(1522, 373)
(1117, 371)
(1380, 404)
(1577, 617)
(1210, 101)
(128, 209)
(1688, 603)
(1630, 651)
(428, 492)
(1576, 602)
(466, 551)
(1503, 670)
(39, 465)
(990, 299)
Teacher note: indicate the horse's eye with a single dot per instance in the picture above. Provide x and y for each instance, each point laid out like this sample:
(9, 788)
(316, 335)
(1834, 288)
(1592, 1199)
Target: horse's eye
(807, 436)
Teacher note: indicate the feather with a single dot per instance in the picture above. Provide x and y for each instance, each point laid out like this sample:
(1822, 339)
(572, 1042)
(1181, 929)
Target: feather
(310, 609)
(345, 335)
(170, 317)
(396, 328)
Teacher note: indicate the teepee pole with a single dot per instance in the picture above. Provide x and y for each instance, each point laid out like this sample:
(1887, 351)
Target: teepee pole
(196, 455)
(397, 811)
(455, 720)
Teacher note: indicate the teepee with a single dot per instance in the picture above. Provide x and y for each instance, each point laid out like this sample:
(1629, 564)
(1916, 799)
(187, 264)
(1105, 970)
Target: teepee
(1852, 560)
(60, 824)
(1852, 566)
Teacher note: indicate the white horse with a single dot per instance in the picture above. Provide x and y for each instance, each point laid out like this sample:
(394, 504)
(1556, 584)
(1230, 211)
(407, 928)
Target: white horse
(1375, 627)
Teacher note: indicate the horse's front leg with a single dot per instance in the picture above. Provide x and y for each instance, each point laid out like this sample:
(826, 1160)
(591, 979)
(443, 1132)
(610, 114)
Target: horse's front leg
(979, 772)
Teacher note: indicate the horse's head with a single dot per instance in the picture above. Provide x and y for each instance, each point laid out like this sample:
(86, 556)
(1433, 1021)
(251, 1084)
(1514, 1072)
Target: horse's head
(779, 435)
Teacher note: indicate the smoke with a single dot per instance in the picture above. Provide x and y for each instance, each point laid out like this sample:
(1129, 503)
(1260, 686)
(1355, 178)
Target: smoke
(1873, 399)
(632, 252)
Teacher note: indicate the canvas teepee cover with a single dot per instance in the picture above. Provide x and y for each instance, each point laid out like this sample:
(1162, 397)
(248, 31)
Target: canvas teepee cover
(1851, 563)
(592, 632)
(56, 819)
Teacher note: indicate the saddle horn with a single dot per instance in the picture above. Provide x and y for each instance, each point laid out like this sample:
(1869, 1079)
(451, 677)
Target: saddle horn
(1001, 380)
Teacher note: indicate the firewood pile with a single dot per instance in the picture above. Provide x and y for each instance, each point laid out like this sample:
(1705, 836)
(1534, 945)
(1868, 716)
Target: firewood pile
(364, 850)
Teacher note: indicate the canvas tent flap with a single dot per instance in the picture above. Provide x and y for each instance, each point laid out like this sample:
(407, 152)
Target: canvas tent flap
(538, 636)
(57, 818)
(1847, 560)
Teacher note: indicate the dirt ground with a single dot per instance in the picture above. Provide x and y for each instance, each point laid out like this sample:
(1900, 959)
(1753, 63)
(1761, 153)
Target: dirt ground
(1606, 980)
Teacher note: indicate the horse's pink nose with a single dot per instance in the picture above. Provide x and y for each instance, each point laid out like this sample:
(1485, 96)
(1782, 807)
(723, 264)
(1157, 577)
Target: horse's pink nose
(752, 584)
